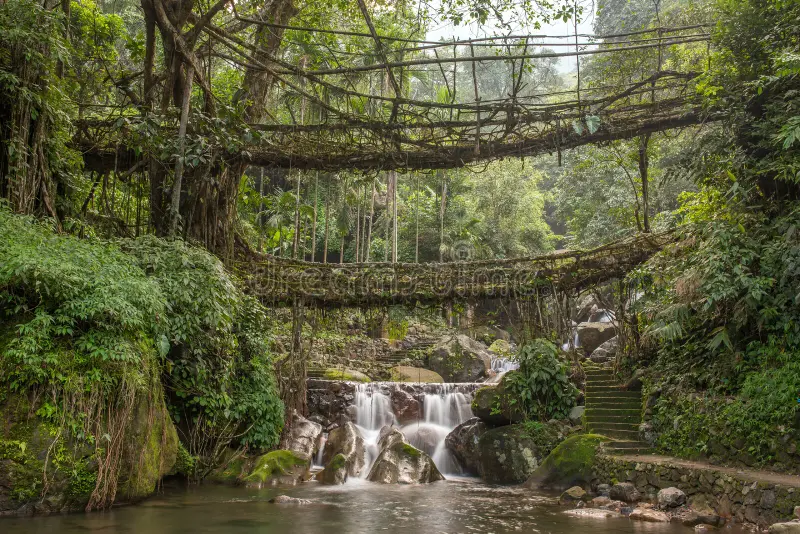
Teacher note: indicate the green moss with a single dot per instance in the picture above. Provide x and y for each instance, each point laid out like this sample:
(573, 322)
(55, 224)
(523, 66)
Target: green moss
(570, 463)
(345, 374)
(185, 463)
(275, 463)
(337, 462)
(408, 450)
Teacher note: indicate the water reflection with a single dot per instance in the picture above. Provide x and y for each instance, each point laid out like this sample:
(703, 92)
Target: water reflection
(453, 506)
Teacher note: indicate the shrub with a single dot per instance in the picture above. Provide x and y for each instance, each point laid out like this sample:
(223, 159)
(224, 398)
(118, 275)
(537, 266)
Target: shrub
(542, 384)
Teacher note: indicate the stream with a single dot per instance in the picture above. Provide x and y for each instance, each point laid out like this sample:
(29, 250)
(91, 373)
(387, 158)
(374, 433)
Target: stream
(458, 505)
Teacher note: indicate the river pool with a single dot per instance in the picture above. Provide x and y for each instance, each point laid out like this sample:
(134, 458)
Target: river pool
(452, 506)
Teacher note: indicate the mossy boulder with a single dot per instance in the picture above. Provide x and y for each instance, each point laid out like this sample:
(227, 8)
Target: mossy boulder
(495, 405)
(32, 444)
(404, 373)
(509, 454)
(460, 359)
(335, 471)
(401, 463)
(571, 463)
(279, 467)
(348, 375)
(501, 347)
(346, 441)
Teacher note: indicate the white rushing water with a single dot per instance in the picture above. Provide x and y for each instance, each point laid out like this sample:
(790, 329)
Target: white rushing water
(443, 408)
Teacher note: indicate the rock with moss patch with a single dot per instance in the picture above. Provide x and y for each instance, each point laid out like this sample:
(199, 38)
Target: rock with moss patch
(463, 443)
(494, 404)
(335, 471)
(460, 359)
(570, 463)
(785, 528)
(31, 446)
(404, 373)
(348, 375)
(279, 467)
(501, 348)
(509, 454)
(401, 463)
(346, 441)
(573, 495)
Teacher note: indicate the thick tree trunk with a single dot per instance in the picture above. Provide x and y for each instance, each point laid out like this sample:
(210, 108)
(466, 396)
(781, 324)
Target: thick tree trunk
(371, 217)
(644, 164)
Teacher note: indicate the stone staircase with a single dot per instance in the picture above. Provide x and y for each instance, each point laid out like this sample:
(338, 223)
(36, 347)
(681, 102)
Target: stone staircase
(613, 411)
(387, 361)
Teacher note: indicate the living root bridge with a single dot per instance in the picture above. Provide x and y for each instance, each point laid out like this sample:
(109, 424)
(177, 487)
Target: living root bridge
(279, 282)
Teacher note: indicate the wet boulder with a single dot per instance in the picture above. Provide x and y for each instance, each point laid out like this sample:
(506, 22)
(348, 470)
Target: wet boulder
(492, 404)
(625, 491)
(335, 471)
(463, 443)
(426, 437)
(347, 441)
(405, 407)
(460, 359)
(510, 454)
(573, 495)
(401, 463)
(785, 528)
(279, 467)
(649, 515)
(388, 436)
(303, 435)
(404, 373)
(592, 335)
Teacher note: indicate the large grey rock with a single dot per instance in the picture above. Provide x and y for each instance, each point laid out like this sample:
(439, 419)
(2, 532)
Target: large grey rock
(625, 491)
(400, 463)
(460, 359)
(346, 440)
(592, 335)
(586, 307)
(509, 454)
(388, 436)
(671, 498)
(607, 351)
(463, 443)
(576, 414)
(492, 404)
(304, 435)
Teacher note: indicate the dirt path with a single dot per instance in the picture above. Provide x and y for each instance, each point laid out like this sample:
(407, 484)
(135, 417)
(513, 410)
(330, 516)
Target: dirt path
(754, 475)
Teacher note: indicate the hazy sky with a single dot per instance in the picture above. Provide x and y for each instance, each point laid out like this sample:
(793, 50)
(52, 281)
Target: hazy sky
(448, 31)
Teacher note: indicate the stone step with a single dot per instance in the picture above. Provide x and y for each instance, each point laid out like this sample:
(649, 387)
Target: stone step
(613, 412)
(629, 435)
(594, 419)
(616, 391)
(622, 444)
(613, 405)
(644, 449)
(603, 382)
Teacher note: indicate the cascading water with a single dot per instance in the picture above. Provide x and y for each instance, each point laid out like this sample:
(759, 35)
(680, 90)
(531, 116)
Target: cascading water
(501, 366)
(444, 407)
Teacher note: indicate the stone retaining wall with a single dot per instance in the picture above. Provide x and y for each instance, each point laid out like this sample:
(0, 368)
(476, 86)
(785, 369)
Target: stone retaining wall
(738, 496)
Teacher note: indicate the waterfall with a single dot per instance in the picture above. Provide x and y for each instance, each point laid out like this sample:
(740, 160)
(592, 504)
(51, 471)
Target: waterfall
(443, 407)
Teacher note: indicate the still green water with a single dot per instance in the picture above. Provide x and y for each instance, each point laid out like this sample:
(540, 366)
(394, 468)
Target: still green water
(452, 506)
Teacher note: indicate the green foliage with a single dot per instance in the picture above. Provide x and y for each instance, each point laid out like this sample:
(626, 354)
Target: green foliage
(541, 385)
(79, 308)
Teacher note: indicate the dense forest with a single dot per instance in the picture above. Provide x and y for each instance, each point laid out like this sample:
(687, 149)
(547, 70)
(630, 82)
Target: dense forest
(149, 150)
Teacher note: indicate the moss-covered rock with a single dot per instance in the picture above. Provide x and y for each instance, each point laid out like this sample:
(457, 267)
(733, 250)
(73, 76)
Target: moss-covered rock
(401, 463)
(335, 471)
(32, 445)
(460, 359)
(403, 373)
(346, 441)
(279, 467)
(571, 463)
(509, 454)
(495, 406)
(349, 375)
